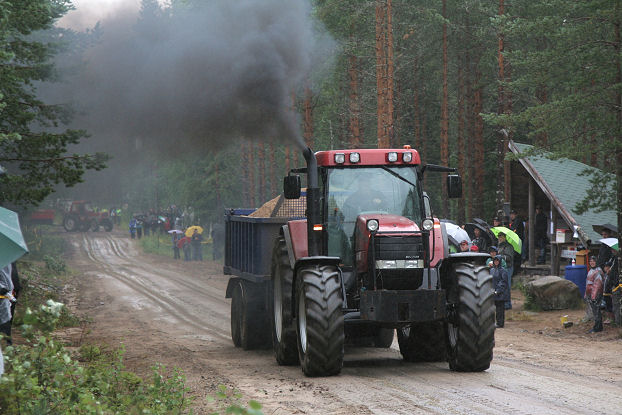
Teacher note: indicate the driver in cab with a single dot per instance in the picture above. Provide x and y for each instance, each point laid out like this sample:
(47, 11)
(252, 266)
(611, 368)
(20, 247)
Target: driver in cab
(366, 198)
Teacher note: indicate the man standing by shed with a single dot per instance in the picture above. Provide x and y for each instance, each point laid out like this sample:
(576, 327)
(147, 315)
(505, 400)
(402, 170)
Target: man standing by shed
(540, 234)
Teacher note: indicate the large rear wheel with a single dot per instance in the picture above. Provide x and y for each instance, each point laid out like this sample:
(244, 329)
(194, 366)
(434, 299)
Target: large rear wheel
(70, 224)
(319, 320)
(283, 329)
(471, 322)
(422, 342)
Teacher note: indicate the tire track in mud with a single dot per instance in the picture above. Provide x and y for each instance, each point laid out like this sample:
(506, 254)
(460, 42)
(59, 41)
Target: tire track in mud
(129, 278)
(215, 294)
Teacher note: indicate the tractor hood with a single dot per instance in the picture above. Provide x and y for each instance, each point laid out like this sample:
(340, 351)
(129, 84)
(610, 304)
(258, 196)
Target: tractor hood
(388, 223)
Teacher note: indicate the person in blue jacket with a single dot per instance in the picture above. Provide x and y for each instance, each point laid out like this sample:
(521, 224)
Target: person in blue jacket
(502, 289)
(133, 228)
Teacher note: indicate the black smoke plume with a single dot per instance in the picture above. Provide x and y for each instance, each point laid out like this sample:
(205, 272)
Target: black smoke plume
(195, 75)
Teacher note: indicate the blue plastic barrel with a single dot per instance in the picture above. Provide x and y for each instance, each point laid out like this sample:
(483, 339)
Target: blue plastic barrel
(578, 275)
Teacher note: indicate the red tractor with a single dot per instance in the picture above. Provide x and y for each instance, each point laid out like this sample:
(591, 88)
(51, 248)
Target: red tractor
(367, 258)
(82, 217)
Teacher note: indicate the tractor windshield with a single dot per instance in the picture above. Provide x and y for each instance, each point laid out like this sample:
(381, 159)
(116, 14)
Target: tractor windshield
(352, 191)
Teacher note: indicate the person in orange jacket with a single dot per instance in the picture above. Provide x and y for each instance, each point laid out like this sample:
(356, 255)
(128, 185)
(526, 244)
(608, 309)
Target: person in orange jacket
(594, 293)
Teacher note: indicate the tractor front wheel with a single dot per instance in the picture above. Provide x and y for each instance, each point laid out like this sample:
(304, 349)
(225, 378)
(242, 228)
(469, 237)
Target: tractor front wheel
(319, 320)
(471, 323)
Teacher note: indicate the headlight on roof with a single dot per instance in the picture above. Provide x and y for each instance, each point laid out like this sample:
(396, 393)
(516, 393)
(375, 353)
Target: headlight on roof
(427, 224)
(340, 158)
(392, 157)
(407, 157)
(372, 225)
(355, 157)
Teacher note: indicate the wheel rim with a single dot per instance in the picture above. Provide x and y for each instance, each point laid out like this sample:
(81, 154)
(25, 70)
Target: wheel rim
(70, 223)
(406, 332)
(278, 311)
(302, 322)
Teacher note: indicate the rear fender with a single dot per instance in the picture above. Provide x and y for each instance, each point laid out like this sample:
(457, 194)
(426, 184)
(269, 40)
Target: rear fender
(295, 233)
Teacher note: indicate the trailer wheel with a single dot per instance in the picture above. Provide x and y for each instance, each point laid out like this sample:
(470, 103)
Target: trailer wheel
(236, 314)
(471, 321)
(280, 302)
(319, 320)
(384, 338)
(248, 316)
(422, 342)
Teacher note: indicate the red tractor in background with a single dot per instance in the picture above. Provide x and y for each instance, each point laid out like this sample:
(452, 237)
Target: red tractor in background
(365, 258)
(80, 216)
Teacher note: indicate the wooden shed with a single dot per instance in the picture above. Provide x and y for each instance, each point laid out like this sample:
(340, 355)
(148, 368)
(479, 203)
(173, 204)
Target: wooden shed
(557, 186)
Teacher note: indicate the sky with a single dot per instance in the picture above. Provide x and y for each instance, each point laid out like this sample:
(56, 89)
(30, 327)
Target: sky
(88, 12)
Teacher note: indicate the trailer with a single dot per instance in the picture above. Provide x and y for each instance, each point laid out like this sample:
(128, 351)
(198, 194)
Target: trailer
(248, 257)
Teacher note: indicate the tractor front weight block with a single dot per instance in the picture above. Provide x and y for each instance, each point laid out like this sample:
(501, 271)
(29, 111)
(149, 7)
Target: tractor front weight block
(403, 306)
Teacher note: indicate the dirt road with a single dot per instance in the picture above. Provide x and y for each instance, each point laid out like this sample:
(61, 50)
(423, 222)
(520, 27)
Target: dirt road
(175, 313)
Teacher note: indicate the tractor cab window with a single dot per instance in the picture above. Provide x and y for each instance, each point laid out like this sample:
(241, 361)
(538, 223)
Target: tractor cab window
(353, 191)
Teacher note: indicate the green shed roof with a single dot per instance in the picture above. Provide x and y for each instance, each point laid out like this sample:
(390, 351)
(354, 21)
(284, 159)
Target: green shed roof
(562, 182)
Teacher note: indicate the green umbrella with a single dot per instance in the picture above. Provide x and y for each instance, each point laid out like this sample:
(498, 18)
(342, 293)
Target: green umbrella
(510, 236)
(12, 244)
(612, 242)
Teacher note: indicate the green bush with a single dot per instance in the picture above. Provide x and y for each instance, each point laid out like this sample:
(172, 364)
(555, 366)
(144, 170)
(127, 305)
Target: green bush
(228, 402)
(43, 378)
(55, 264)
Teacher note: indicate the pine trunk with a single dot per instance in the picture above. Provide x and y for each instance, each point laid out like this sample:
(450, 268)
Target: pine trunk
(390, 128)
(381, 73)
(445, 118)
(252, 189)
(308, 127)
(470, 133)
(355, 109)
(461, 147)
(501, 147)
(478, 144)
(417, 111)
(273, 177)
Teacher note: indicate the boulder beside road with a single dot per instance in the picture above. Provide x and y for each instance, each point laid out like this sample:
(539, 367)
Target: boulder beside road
(554, 293)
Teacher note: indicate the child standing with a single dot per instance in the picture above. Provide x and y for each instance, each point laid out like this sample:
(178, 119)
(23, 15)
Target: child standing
(502, 289)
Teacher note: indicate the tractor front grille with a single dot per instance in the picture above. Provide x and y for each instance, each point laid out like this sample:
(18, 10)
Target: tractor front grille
(402, 247)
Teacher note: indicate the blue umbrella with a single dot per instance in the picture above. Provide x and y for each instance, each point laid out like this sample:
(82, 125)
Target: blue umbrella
(12, 244)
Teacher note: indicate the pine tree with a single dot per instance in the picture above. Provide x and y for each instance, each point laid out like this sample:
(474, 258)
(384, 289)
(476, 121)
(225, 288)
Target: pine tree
(33, 149)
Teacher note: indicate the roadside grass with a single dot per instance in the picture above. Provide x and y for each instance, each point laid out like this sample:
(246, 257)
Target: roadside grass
(157, 244)
(162, 245)
(43, 375)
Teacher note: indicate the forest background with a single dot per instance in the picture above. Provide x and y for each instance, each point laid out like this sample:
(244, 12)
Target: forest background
(455, 79)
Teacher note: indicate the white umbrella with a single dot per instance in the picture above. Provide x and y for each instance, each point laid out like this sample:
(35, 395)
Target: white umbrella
(456, 233)
(175, 231)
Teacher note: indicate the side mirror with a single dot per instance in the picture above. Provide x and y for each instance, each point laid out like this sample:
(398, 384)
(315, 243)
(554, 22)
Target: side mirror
(291, 187)
(454, 186)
